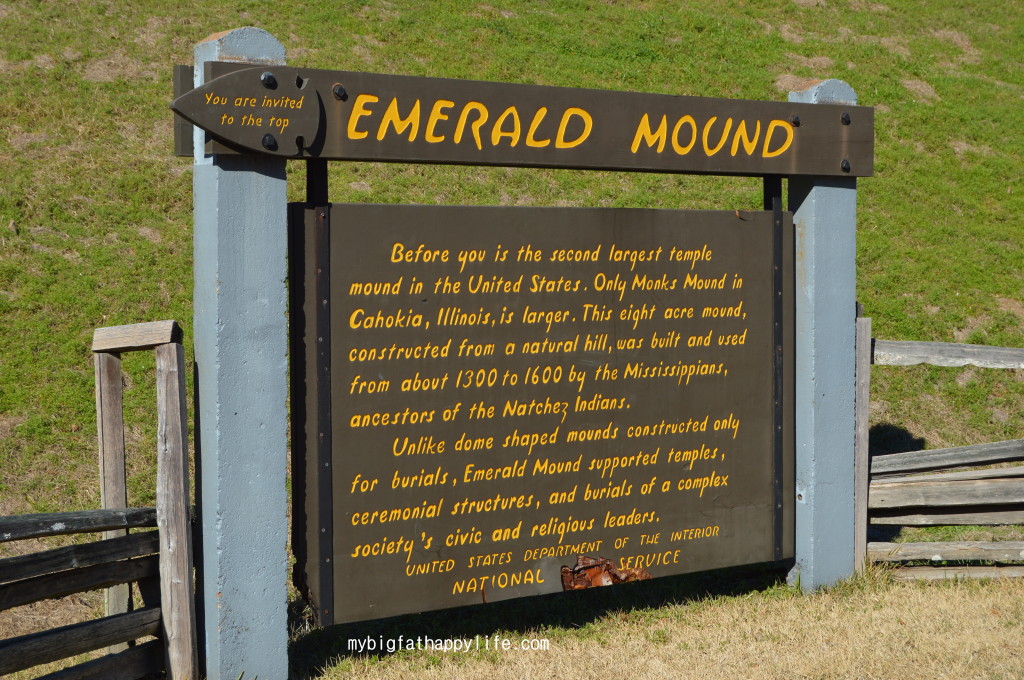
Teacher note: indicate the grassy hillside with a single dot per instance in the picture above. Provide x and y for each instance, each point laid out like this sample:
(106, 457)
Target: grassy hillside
(95, 212)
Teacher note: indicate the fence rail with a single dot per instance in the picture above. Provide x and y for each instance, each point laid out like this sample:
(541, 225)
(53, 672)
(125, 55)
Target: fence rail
(892, 353)
(60, 643)
(940, 486)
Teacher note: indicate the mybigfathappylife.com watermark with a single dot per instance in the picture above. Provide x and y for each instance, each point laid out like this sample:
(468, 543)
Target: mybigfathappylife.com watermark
(422, 642)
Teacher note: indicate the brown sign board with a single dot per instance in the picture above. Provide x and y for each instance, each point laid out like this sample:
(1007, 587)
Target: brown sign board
(494, 403)
(341, 115)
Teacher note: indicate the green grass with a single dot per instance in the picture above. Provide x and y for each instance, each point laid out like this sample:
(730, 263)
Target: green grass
(95, 212)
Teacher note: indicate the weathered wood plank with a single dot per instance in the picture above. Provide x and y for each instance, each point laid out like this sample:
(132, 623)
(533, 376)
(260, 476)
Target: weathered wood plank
(136, 662)
(860, 461)
(980, 516)
(60, 643)
(75, 556)
(987, 473)
(17, 527)
(1000, 551)
(172, 494)
(946, 459)
(135, 336)
(894, 353)
(945, 494)
(942, 573)
(113, 480)
(46, 587)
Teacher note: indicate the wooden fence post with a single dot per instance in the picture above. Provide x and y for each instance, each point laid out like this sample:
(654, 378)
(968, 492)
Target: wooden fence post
(177, 603)
(172, 494)
(862, 461)
(113, 486)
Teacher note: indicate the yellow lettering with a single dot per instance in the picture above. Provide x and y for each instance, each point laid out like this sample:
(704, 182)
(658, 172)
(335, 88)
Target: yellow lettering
(688, 120)
(644, 133)
(588, 125)
(497, 132)
(460, 128)
(765, 153)
(749, 144)
(391, 118)
(537, 118)
(707, 130)
(358, 111)
(435, 116)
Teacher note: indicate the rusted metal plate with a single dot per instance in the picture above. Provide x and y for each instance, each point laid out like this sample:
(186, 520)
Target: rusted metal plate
(525, 398)
(343, 115)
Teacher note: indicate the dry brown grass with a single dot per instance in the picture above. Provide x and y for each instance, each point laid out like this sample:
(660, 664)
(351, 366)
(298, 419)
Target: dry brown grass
(870, 629)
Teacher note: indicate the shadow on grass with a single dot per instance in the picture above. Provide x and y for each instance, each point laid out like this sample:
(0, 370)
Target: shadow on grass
(318, 649)
(884, 439)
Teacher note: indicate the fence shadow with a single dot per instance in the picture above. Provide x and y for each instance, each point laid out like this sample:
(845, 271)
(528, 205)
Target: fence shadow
(886, 438)
(883, 439)
(312, 651)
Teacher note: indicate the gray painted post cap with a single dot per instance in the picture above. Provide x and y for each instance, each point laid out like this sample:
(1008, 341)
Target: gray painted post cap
(249, 44)
(829, 91)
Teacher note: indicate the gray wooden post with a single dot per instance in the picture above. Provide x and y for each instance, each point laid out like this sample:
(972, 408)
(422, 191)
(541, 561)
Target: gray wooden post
(240, 349)
(824, 214)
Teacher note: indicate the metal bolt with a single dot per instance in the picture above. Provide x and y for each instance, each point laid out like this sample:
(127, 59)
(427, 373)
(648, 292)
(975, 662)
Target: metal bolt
(339, 92)
(845, 118)
(845, 165)
(795, 120)
(268, 80)
(269, 143)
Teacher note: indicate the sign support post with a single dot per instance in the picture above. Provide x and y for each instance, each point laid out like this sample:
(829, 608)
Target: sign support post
(824, 215)
(241, 358)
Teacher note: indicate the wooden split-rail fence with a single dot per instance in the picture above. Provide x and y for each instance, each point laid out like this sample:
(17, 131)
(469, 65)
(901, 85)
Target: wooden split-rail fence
(939, 487)
(160, 561)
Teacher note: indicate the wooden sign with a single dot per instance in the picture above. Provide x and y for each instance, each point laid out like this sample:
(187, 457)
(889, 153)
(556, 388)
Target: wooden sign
(502, 402)
(342, 115)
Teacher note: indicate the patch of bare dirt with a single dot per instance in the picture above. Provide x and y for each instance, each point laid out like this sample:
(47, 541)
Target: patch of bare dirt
(116, 67)
(23, 140)
(961, 149)
(969, 54)
(152, 33)
(150, 235)
(363, 53)
(788, 82)
(5, 11)
(973, 324)
(813, 63)
(44, 62)
(1012, 306)
(861, 6)
(966, 376)
(809, 3)
(7, 425)
(359, 186)
(922, 91)
(791, 34)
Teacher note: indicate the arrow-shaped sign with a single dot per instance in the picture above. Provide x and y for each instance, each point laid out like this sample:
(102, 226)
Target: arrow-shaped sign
(271, 110)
